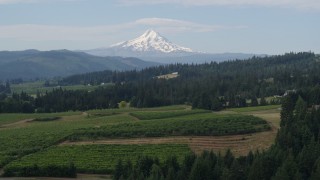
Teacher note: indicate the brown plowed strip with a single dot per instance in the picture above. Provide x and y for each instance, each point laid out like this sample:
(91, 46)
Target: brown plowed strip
(239, 144)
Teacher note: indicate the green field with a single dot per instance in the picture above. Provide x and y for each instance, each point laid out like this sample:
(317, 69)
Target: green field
(195, 124)
(23, 142)
(128, 110)
(256, 108)
(149, 115)
(33, 87)
(97, 158)
(33, 136)
(8, 118)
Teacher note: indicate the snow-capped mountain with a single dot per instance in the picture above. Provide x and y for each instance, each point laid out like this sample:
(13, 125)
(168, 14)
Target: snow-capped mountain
(151, 46)
(151, 41)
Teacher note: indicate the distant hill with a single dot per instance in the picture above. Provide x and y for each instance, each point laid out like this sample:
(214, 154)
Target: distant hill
(199, 58)
(32, 64)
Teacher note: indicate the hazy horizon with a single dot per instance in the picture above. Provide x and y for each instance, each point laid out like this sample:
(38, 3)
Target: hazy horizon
(213, 26)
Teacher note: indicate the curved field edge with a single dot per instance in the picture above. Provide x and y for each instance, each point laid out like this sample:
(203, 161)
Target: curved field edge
(130, 109)
(96, 159)
(23, 139)
(239, 144)
(255, 108)
(149, 115)
(10, 118)
(207, 124)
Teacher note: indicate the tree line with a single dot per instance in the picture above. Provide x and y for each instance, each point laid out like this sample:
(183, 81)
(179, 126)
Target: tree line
(211, 86)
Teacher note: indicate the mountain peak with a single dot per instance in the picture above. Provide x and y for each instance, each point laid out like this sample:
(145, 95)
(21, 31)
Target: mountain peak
(151, 41)
(150, 33)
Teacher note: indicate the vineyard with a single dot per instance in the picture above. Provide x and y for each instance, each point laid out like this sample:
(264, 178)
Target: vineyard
(149, 115)
(96, 158)
(34, 145)
(197, 124)
(33, 136)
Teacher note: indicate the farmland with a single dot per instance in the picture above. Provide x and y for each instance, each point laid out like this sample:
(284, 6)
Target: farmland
(161, 115)
(197, 124)
(33, 88)
(96, 158)
(54, 140)
(257, 108)
(7, 119)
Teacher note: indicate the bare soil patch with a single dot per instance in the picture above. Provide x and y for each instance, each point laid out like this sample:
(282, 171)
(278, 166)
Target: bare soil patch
(272, 116)
(239, 144)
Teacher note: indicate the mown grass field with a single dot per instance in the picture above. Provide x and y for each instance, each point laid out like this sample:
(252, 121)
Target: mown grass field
(24, 143)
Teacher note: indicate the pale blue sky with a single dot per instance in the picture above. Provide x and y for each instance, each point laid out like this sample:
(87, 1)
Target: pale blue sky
(248, 26)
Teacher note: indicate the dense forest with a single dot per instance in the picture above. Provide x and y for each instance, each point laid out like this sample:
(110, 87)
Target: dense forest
(295, 154)
(208, 86)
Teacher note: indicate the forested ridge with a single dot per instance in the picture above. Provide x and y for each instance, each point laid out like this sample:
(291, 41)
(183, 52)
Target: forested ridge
(208, 86)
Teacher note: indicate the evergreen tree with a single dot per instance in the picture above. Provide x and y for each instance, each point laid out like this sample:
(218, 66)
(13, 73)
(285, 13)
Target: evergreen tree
(300, 109)
(287, 108)
(254, 102)
(200, 170)
(288, 170)
(216, 104)
(263, 102)
(316, 171)
(228, 158)
(237, 172)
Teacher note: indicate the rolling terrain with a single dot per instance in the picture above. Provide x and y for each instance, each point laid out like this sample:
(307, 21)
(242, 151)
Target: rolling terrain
(32, 64)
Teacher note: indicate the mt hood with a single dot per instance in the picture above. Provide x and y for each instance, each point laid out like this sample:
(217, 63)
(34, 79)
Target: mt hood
(150, 43)
(151, 46)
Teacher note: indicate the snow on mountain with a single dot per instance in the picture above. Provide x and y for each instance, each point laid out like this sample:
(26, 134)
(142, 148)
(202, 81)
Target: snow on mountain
(151, 41)
(151, 46)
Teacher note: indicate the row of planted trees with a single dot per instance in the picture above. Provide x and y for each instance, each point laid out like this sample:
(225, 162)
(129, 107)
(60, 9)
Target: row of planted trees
(60, 100)
(207, 86)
